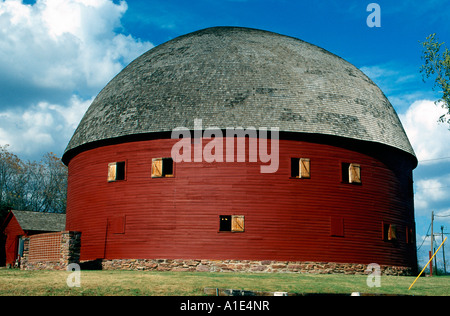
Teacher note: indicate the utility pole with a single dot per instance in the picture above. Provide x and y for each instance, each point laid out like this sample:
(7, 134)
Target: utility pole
(432, 242)
(443, 251)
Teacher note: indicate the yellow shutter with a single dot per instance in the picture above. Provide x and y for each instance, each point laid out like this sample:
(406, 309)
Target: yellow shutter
(392, 232)
(354, 173)
(305, 168)
(237, 223)
(157, 168)
(112, 171)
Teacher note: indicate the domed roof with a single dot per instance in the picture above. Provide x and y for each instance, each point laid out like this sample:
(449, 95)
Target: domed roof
(241, 77)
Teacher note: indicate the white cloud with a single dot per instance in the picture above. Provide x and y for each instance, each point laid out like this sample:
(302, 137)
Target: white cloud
(41, 128)
(65, 44)
(394, 74)
(428, 192)
(52, 53)
(429, 138)
(378, 71)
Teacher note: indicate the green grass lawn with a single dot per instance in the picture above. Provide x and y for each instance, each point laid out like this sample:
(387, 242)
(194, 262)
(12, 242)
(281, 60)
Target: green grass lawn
(135, 283)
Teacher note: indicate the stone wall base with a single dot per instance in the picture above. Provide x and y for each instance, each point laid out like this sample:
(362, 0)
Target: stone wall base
(44, 265)
(265, 266)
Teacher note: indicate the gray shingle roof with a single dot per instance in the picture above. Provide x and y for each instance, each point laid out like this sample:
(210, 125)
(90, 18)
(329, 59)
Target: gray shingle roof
(38, 221)
(240, 77)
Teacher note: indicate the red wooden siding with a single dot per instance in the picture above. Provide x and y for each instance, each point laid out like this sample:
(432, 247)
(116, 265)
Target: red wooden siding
(12, 231)
(285, 218)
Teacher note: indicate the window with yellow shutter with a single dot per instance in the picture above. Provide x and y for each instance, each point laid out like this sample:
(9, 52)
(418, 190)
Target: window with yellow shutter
(231, 223)
(354, 173)
(116, 171)
(301, 168)
(389, 232)
(305, 168)
(162, 167)
(351, 173)
(237, 223)
(392, 232)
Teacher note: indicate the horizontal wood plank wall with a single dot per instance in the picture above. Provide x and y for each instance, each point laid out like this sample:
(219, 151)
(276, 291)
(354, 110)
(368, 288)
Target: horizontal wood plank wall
(285, 218)
(12, 232)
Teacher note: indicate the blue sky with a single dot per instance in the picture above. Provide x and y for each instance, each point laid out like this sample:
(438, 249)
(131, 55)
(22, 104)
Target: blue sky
(56, 55)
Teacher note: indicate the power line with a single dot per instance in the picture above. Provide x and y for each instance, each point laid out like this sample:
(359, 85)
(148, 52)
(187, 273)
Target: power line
(441, 158)
(426, 235)
(433, 188)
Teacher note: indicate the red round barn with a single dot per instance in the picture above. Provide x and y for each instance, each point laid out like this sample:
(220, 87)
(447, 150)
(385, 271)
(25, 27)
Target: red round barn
(244, 146)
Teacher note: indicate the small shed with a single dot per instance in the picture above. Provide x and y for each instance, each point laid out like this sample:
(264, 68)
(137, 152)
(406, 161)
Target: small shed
(26, 223)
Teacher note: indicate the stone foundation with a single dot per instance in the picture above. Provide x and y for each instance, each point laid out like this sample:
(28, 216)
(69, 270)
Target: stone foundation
(55, 251)
(266, 266)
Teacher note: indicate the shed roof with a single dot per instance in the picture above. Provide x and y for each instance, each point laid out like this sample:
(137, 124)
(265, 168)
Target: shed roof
(40, 221)
(241, 77)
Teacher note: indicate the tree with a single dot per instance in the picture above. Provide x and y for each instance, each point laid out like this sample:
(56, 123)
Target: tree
(437, 65)
(11, 167)
(50, 183)
(33, 186)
